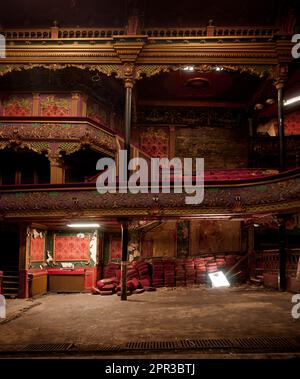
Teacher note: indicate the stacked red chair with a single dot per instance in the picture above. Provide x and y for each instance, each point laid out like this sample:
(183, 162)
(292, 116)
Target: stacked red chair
(169, 272)
(180, 273)
(111, 270)
(158, 272)
(211, 267)
(145, 274)
(200, 269)
(221, 262)
(107, 286)
(189, 271)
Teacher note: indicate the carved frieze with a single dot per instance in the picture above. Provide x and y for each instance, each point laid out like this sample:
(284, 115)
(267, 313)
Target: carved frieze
(265, 197)
(205, 116)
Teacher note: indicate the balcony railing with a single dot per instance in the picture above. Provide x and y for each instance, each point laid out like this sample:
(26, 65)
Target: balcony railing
(54, 32)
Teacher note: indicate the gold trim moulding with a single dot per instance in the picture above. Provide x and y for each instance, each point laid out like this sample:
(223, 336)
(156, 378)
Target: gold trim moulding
(293, 206)
(231, 185)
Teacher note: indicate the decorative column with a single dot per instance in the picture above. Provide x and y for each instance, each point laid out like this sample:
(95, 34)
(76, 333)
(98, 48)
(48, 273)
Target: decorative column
(57, 173)
(128, 74)
(172, 141)
(74, 104)
(279, 84)
(124, 228)
(35, 104)
(251, 252)
(282, 281)
(23, 260)
(251, 144)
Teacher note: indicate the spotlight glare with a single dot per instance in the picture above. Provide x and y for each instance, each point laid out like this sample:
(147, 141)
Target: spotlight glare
(292, 100)
(84, 225)
(218, 279)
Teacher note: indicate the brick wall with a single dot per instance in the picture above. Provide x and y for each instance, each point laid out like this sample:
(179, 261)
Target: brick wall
(220, 147)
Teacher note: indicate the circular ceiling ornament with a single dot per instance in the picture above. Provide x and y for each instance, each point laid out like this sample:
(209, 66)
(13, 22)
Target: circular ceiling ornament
(197, 83)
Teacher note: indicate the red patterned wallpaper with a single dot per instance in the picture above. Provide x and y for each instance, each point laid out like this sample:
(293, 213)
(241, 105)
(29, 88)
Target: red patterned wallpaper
(17, 105)
(115, 249)
(71, 248)
(37, 249)
(292, 124)
(155, 142)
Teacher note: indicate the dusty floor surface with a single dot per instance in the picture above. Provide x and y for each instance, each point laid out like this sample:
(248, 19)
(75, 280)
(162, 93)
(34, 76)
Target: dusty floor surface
(166, 314)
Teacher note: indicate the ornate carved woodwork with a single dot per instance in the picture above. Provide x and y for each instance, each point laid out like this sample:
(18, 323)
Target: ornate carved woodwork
(265, 196)
(57, 137)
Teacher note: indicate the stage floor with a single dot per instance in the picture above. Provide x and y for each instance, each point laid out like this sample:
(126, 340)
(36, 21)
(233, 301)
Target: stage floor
(165, 315)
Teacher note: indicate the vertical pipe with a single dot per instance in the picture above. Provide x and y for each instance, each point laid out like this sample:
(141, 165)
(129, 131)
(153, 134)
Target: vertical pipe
(282, 257)
(124, 260)
(128, 108)
(282, 152)
(251, 135)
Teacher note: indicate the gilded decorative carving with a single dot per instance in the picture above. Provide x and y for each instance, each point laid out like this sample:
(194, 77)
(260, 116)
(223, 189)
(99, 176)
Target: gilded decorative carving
(72, 136)
(267, 197)
(107, 69)
(149, 70)
(141, 70)
(204, 116)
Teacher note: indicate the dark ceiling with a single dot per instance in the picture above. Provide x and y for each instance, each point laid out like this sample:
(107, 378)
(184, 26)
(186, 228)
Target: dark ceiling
(30, 13)
(218, 86)
(106, 89)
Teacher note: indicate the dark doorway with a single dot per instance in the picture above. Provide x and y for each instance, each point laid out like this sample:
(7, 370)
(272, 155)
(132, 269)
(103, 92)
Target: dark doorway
(9, 258)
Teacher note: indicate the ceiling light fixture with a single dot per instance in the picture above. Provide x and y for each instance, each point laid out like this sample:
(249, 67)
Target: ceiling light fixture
(292, 100)
(219, 68)
(188, 68)
(84, 225)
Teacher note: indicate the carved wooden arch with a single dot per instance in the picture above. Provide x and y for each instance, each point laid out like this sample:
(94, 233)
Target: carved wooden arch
(107, 69)
(146, 70)
(143, 70)
(38, 147)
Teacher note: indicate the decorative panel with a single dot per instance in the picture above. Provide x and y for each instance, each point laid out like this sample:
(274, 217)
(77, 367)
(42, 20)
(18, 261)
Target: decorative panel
(37, 248)
(212, 236)
(55, 105)
(72, 248)
(292, 124)
(155, 142)
(115, 248)
(17, 105)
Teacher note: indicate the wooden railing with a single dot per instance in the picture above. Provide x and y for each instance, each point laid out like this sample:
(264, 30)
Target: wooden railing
(267, 261)
(211, 31)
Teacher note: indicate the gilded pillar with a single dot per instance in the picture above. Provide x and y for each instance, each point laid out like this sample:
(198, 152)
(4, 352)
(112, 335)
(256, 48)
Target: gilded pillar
(57, 172)
(35, 104)
(282, 280)
(279, 84)
(128, 73)
(75, 104)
